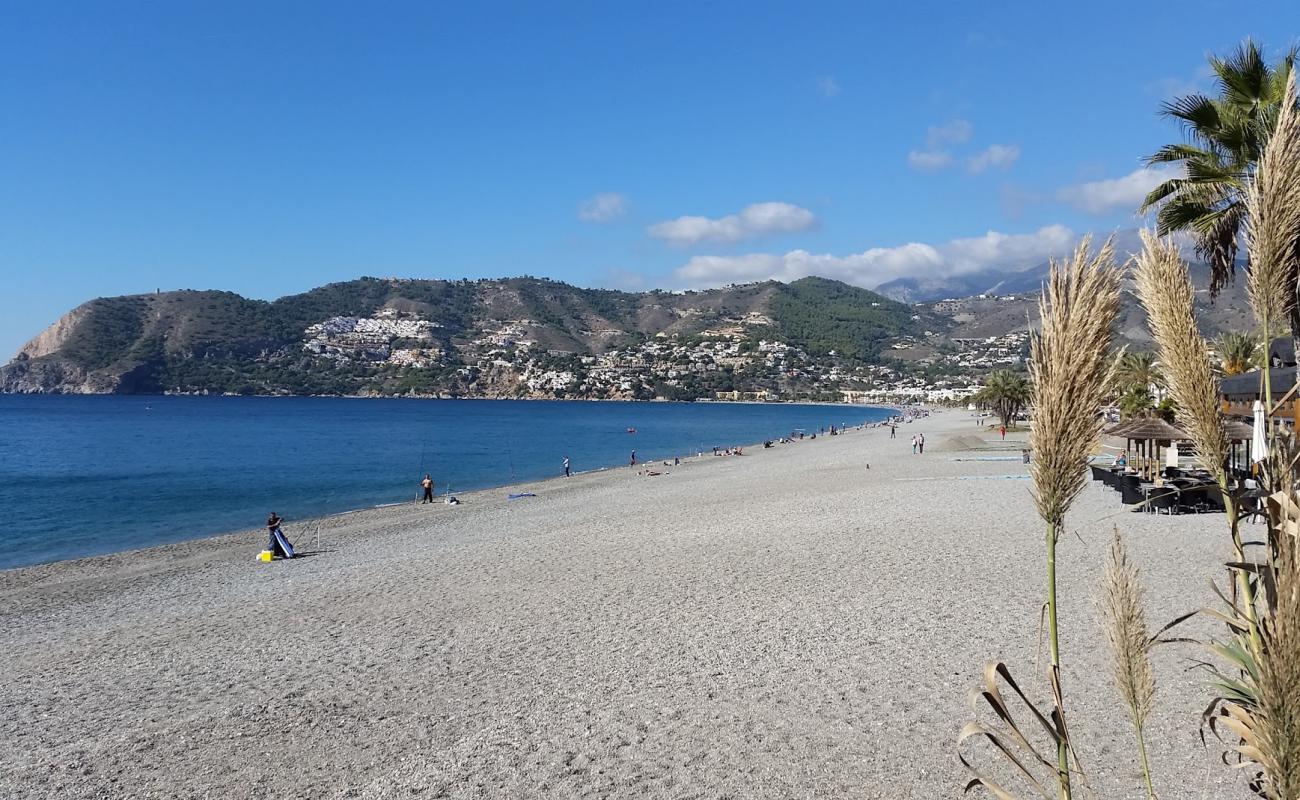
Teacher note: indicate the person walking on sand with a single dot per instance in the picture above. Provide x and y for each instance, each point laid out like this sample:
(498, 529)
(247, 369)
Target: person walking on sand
(566, 467)
(920, 443)
(1003, 431)
(893, 431)
(427, 485)
(914, 444)
(633, 462)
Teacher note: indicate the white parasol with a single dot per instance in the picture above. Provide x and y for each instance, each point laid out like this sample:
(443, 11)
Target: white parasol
(1258, 441)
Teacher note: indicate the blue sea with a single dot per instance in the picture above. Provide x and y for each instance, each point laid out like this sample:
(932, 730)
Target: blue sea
(83, 476)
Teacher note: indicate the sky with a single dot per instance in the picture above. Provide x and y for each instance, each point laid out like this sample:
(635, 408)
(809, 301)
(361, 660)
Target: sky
(270, 147)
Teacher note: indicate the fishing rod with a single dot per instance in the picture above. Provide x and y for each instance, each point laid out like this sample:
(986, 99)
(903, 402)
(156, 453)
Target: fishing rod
(319, 522)
(424, 449)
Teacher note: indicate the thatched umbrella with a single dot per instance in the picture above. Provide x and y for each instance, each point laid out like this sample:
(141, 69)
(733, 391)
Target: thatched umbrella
(1118, 428)
(1150, 431)
(1237, 431)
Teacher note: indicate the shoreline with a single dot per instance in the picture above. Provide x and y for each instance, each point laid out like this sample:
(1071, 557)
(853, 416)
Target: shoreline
(738, 630)
(702, 401)
(318, 520)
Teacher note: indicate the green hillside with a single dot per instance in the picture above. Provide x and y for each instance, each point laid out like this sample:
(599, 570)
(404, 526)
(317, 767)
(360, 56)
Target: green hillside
(464, 337)
(825, 316)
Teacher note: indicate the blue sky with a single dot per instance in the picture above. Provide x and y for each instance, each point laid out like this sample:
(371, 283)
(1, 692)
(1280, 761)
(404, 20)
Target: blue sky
(270, 147)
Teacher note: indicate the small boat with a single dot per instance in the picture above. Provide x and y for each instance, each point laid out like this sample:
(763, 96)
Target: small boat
(631, 430)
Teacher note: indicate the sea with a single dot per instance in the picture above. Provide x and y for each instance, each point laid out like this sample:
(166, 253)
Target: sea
(87, 475)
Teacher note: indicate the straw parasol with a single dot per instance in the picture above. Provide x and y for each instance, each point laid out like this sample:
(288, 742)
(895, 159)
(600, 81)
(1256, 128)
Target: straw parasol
(1148, 430)
(1237, 431)
(1117, 429)
(1152, 429)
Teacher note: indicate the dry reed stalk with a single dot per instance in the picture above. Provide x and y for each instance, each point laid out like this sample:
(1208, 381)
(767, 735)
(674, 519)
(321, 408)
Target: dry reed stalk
(1273, 206)
(1071, 366)
(1276, 727)
(1166, 292)
(1273, 220)
(1125, 623)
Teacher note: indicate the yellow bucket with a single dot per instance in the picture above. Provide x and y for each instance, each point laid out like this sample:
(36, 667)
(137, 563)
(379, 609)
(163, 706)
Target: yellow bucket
(266, 555)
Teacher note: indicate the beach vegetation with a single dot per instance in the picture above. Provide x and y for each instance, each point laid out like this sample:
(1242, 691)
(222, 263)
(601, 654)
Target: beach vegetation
(1071, 367)
(1238, 352)
(1224, 138)
(1135, 402)
(1005, 393)
(1123, 619)
(1253, 662)
(1138, 369)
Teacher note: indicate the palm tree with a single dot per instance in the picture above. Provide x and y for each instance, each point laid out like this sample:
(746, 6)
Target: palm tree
(1006, 393)
(1238, 353)
(1136, 401)
(1225, 137)
(1138, 370)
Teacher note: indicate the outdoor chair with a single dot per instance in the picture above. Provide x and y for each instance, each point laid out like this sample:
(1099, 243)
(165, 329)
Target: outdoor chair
(1130, 492)
(1253, 505)
(1194, 499)
(1164, 498)
(1213, 498)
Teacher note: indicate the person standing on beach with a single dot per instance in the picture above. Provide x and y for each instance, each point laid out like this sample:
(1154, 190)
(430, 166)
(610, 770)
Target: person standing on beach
(893, 431)
(566, 467)
(427, 484)
(920, 443)
(1003, 431)
(275, 536)
(914, 444)
(273, 523)
(633, 462)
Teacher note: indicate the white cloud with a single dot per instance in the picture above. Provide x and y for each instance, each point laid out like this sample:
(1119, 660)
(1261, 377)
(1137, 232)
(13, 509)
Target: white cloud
(603, 207)
(1126, 193)
(936, 156)
(929, 160)
(827, 86)
(1001, 156)
(756, 220)
(878, 265)
(1198, 83)
(954, 131)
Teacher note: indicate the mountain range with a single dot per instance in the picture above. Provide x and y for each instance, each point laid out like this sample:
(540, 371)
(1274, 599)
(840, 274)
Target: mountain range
(461, 338)
(533, 337)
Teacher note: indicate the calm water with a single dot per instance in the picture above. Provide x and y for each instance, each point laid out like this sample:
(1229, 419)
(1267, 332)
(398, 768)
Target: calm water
(87, 475)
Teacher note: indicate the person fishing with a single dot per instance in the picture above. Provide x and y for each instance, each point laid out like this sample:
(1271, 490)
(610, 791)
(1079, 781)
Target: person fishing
(277, 542)
(427, 484)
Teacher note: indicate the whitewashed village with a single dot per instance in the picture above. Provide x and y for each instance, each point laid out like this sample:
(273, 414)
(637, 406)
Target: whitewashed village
(507, 359)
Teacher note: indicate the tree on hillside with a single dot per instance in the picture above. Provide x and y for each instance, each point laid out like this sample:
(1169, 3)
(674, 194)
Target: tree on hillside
(1225, 136)
(1005, 393)
(1238, 353)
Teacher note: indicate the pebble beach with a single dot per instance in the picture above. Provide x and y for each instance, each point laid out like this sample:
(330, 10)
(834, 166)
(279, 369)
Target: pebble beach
(804, 621)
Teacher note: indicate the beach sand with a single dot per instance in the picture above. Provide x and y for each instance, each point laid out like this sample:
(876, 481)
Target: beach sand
(800, 622)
